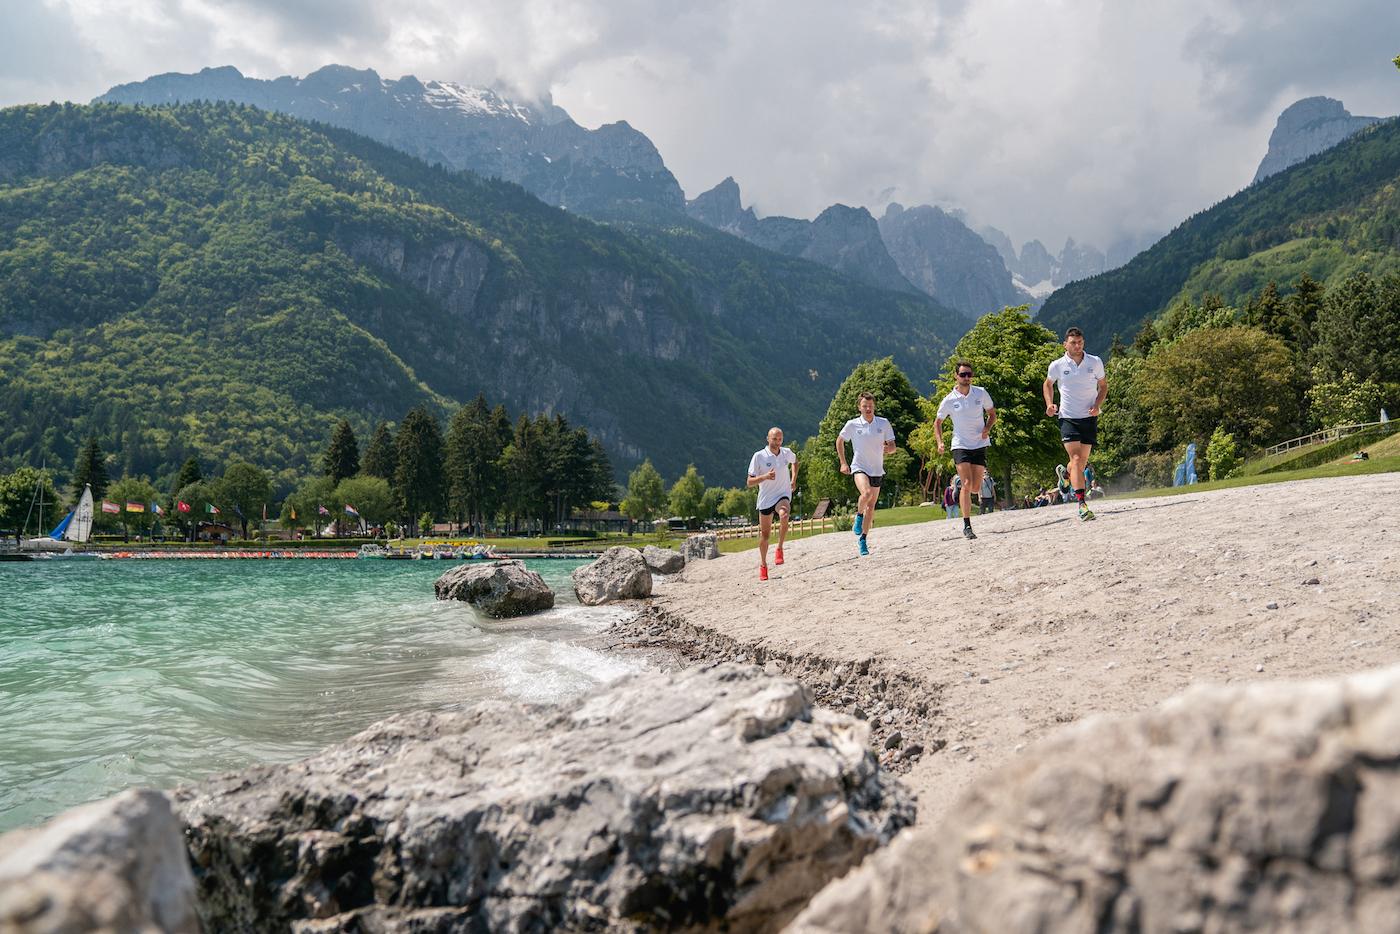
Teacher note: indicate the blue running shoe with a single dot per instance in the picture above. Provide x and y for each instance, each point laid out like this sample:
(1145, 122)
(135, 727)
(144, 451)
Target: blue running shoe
(860, 523)
(864, 549)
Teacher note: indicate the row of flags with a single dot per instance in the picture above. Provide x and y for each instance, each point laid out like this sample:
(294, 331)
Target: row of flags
(210, 508)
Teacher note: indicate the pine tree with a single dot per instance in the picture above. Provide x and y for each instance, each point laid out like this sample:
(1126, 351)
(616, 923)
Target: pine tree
(189, 473)
(342, 458)
(380, 457)
(90, 469)
(418, 474)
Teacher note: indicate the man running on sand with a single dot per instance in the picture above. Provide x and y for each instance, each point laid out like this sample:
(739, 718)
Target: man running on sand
(972, 433)
(871, 438)
(1083, 388)
(773, 469)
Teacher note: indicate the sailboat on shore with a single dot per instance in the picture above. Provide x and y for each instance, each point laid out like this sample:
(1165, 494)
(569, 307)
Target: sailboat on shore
(75, 529)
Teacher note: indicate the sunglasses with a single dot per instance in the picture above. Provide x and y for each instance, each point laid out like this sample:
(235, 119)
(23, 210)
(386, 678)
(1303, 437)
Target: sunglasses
(967, 373)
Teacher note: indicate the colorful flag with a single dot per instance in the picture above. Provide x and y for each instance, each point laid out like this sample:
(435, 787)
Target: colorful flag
(135, 507)
(350, 511)
(211, 509)
(110, 507)
(182, 506)
(323, 510)
(155, 508)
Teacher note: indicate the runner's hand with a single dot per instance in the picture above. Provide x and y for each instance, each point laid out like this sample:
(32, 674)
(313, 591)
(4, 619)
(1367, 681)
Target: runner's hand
(1052, 410)
(986, 433)
(772, 474)
(845, 468)
(940, 445)
(1094, 411)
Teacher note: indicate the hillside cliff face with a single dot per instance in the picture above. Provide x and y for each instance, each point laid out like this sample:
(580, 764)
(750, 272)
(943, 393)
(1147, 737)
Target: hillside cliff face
(1306, 128)
(536, 145)
(942, 257)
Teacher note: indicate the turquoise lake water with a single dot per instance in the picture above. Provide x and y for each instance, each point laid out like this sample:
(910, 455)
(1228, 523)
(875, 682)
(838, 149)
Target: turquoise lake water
(152, 673)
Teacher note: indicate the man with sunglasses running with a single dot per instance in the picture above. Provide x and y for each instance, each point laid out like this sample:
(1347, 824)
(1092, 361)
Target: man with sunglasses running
(1083, 387)
(973, 414)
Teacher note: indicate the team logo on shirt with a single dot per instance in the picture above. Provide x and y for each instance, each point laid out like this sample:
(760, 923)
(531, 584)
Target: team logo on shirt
(1067, 371)
(957, 406)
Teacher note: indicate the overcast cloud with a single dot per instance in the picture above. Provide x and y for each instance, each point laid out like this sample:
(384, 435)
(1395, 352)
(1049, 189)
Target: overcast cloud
(1046, 118)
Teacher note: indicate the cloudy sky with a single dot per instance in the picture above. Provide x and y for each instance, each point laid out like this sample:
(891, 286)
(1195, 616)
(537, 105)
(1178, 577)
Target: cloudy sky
(1046, 118)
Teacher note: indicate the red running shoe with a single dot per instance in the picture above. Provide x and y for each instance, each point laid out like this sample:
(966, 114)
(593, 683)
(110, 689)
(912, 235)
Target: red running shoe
(763, 572)
(779, 558)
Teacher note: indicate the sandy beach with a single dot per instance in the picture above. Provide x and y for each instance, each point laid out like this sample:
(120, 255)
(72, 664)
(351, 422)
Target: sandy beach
(1044, 620)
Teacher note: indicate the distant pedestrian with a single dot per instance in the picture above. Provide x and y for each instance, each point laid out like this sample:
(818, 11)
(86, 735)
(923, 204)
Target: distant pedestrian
(773, 469)
(987, 499)
(1083, 387)
(871, 437)
(973, 414)
(950, 502)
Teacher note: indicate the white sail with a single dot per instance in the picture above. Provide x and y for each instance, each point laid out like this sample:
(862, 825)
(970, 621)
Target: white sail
(80, 529)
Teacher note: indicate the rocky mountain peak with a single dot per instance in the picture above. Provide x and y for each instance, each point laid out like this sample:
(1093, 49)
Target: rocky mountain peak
(722, 207)
(1306, 128)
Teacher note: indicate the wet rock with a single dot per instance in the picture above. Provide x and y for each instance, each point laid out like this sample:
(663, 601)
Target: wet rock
(663, 560)
(1238, 808)
(702, 547)
(500, 589)
(712, 797)
(620, 574)
(114, 865)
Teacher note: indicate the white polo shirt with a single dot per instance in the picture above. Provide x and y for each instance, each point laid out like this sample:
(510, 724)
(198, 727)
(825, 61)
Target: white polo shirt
(1079, 385)
(780, 487)
(868, 441)
(968, 421)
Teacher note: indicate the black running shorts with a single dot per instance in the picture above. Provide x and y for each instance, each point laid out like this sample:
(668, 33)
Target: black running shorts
(1083, 430)
(874, 480)
(771, 509)
(976, 456)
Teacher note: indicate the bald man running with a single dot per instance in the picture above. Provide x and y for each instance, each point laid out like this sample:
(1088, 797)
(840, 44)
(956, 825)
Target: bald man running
(773, 469)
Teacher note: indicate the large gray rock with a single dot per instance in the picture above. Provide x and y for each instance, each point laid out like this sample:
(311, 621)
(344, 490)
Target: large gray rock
(500, 589)
(702, 547)
(620, 574)
(663, 560)
(1306, 128)
(1271, 807)
(114, 865)
(704, 797)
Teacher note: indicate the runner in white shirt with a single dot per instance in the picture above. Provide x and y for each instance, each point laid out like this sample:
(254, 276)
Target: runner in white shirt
(1083, 388)
(773, 469)
(973, 414)
(871, 438)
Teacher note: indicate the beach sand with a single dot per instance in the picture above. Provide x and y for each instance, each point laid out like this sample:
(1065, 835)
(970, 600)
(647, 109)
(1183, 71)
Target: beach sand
(1044, 620)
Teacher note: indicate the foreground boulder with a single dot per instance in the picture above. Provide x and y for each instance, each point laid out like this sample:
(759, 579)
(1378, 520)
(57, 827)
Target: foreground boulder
(620, 574)
(115, 865)
(663, 560)
(702, 547)
(1271, 807)
(709, 796)
(500, 589)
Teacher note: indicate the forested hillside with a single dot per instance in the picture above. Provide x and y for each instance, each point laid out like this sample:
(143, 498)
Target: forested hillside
(1335, 214)
(219, 281)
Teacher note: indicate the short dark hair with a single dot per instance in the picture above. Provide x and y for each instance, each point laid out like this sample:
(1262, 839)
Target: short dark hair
(964, 363)
(1073, 332)
(867, 395)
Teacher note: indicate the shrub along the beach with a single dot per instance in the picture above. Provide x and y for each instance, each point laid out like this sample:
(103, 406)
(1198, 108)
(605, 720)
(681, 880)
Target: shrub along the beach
(646, 494)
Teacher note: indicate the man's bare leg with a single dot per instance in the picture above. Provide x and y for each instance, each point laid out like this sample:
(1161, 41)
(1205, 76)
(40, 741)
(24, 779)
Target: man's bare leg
(865, 506)
(784, 508)
(1078, 460)
(765, 527)
(971, 475)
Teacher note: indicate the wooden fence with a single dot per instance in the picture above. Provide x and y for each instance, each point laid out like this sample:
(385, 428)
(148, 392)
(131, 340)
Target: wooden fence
(1324, 436)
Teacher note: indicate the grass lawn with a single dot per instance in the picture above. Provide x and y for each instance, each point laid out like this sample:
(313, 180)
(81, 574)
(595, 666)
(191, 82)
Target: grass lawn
(1343, 468)
(899, 515)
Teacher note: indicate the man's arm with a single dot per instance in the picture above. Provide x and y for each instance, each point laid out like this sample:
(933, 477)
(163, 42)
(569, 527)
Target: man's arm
(938, 432)
(1048, 391)
(1098, 400)
(792, 478)
(889, 443)
(991, 420)
(841, 453)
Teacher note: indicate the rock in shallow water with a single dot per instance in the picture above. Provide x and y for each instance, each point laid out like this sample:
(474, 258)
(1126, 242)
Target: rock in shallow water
(1266, 807)
(500, 589)
(620, 574)
(708, 796)
(115, 865)
(663, 560)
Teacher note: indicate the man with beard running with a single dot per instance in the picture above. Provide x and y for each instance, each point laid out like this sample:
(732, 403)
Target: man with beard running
(1083, 387)
(773, 469)
(973, 414)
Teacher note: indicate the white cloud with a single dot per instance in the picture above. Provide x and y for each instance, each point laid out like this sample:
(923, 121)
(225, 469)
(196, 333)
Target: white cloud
(1087, 118)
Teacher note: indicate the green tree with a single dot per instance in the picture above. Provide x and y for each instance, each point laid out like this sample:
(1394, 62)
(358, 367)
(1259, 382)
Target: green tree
(418, 475)
(895, 399)
(475, 443)
(18, 495)
(1344, 399)
(527, 463)
(199, 495)
(740, 502)
(134, 490)
(189, 473)
(302, 509)
(710, 503)
(342, 455)
(1358, 330)
(1009, 354)
(245, 490)
(371, 497)
(1238, 377)
(90, 469)
(1222, 455)
(646, 494)
(380, 458)
(687, 493)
